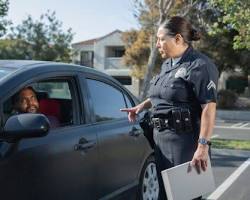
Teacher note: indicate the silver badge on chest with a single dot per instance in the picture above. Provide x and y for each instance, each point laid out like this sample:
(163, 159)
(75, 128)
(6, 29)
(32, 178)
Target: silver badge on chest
(181, 73)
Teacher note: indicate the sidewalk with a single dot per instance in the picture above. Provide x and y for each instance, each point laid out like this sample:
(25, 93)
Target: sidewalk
(233, 115)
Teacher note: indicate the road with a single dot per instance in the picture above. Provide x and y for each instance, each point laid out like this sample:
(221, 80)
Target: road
(232, 130)
(231, 168)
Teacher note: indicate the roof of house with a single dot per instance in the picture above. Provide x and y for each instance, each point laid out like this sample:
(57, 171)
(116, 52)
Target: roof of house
(92, 41)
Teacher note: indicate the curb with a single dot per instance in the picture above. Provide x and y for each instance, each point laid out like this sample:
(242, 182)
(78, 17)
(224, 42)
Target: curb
(233, 115)
(230, 152)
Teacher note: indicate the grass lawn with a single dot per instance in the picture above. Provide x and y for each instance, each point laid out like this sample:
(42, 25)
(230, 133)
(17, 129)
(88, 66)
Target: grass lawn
(231, 144)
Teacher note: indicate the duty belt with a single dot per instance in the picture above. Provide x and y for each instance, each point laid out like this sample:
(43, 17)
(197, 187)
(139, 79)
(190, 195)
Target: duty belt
(178, 120)
(160, 123)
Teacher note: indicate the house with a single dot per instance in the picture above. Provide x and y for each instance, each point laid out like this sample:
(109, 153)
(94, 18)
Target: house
(105, 54)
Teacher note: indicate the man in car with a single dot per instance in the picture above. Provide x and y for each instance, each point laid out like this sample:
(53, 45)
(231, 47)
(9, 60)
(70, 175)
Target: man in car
(25, 101)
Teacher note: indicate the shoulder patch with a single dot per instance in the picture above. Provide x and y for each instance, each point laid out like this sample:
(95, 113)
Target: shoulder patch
(210, 85)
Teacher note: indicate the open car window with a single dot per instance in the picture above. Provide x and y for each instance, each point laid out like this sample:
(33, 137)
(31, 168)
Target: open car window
(54, 99)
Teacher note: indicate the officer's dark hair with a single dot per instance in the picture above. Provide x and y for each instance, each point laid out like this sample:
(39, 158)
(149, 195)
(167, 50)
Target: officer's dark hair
(179, 25)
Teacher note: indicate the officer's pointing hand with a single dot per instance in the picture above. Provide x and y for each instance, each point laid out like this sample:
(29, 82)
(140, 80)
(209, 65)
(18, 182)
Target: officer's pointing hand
(132, 112)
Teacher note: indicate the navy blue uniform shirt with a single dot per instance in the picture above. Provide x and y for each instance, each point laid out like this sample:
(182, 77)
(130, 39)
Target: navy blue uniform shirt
(190, 82)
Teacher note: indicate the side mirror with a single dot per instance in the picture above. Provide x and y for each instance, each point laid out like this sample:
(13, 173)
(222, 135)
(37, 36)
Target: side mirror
(26, 125)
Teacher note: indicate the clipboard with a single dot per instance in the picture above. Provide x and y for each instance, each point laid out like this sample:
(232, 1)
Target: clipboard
(183, 182)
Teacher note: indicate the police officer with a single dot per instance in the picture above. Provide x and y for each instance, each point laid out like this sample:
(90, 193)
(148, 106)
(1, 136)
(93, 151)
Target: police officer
(182, 98)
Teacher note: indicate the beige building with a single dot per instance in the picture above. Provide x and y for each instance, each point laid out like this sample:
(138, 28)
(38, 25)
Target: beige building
(105, 54)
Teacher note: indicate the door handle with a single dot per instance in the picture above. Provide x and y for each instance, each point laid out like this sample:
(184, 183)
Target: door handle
(135, 132)
(84, 146)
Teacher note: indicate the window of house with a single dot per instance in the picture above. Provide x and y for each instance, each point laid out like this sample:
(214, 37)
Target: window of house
(87, 58)
(107, 101)
(119, 52)
(115, 51)
(124, 80)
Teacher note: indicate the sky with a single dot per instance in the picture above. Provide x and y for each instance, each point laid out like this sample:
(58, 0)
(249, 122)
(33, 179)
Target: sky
(87, 18)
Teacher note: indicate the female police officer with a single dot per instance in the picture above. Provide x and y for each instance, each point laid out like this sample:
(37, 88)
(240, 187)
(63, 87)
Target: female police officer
(183, 99)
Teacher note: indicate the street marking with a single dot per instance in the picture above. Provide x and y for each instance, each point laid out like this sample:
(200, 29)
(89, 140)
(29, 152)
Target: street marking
(237, 125)
(220, 120)
(214, 136)
(244, 125)
(230, 127)
(229, 181)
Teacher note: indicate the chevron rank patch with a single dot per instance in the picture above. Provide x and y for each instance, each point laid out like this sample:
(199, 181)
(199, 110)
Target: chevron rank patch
(210, 85)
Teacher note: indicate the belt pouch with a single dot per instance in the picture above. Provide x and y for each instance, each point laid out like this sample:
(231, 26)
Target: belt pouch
(176, 114)
(186, 118)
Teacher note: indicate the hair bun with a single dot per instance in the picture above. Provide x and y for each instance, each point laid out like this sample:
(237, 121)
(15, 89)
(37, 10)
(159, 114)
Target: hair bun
(195, 35)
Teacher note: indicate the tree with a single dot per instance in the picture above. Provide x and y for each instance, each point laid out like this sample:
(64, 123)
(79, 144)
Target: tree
(218, 45)
(220, 48)
(4, 7)
(44, 39)
(233, 15)
(14, 49)
(137, 51)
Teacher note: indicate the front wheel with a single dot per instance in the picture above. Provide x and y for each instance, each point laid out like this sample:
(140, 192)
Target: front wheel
(148, 186)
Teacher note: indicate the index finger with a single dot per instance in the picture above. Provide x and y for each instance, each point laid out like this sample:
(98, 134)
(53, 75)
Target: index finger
(125, 109)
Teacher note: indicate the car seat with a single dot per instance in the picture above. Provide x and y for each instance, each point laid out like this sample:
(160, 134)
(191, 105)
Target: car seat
(51, 108)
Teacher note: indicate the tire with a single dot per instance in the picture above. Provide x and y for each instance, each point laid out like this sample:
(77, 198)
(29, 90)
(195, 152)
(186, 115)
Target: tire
(148, 184)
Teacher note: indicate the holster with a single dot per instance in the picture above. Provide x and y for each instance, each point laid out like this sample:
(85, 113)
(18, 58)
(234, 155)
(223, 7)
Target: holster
(148, 128)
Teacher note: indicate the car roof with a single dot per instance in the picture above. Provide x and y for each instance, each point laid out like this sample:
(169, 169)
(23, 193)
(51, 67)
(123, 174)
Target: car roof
(16, 65)
(22, 64)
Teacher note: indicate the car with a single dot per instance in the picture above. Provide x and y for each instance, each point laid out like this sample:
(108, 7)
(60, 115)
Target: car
(95, 153)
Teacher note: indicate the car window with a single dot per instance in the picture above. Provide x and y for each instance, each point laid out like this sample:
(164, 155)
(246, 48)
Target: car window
(53, 99)
(55, 89)
(128, 101)
(106, 100)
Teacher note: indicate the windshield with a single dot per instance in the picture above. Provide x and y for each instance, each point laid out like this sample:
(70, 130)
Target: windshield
(5, 71)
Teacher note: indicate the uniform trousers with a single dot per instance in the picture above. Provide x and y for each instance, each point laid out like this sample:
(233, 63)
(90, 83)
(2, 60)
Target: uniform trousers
(172, 149)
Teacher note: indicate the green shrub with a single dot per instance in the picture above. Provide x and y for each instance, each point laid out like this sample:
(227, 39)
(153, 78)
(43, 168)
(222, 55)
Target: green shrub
(226, 99)
(237, 83)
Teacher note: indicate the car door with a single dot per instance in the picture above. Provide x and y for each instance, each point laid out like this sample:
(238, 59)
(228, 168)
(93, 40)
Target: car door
(61, 165)
(120, 142)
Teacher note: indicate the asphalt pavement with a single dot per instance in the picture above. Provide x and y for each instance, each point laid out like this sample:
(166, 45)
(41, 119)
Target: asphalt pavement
(236, 130)
(231, 168)
(239, 188)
